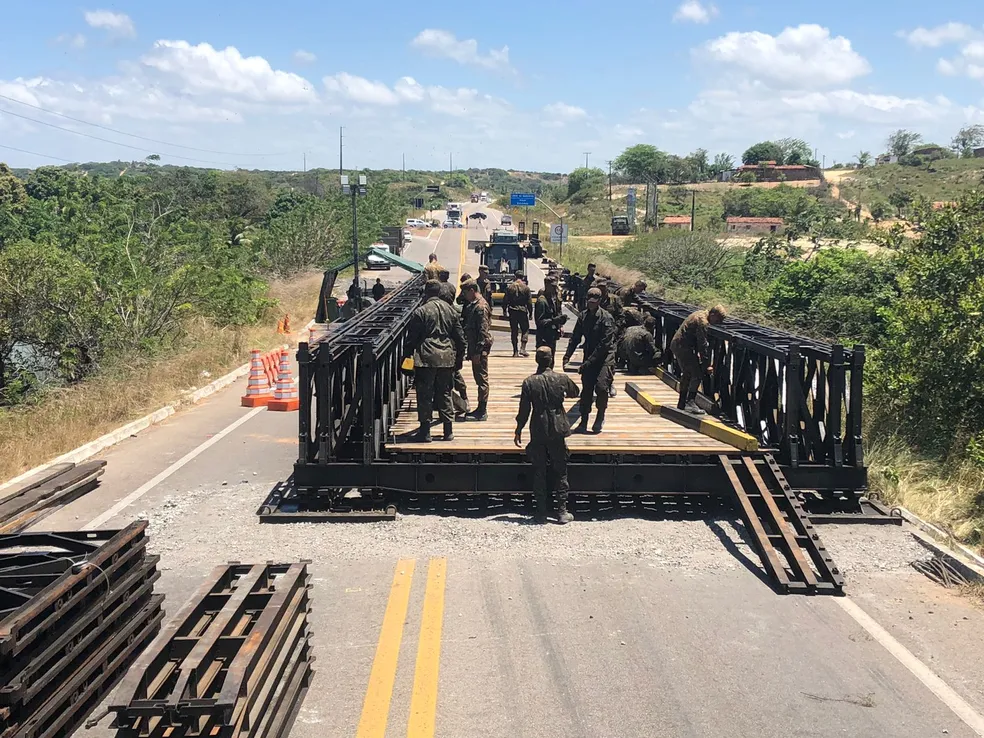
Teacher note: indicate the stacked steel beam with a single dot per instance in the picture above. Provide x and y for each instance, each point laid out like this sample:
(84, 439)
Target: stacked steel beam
(235, 661)
(39, 496)
(75, 610)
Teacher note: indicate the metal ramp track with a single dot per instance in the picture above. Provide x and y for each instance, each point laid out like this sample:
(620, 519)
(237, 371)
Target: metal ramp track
(792, 553)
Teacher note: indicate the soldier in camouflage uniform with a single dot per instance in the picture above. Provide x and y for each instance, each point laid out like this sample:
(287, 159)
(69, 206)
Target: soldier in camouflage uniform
(517, 304)
(542, 397)
(485, 284)
(692, 354)
(548, 315)
(437, 343)
(596, 327)
(630, 295)
(459, 394)
(637, 350)
(433, 269)
(476, 318)
(613, 305)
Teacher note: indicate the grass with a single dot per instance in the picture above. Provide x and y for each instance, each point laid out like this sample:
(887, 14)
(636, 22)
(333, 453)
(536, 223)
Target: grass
(951, 497)
(65, 418)
(943, 180)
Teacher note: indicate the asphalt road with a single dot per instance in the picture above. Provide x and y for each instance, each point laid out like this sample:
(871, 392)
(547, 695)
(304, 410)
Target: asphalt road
(613, 627)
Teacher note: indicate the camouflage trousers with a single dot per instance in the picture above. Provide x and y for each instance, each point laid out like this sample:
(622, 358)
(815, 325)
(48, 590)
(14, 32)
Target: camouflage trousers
(433, 385)
(519, 324)
(549, 459)
(595, 382)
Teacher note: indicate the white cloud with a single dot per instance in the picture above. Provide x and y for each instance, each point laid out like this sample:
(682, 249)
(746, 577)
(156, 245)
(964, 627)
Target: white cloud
(947, 33)
(846, 135)
(627, 132)
(72, 40)
(564, 112)
(692, 11)
(116, 24)
(970, 62)
(305, 57)
(802, 57)
(444, 44)
(204, 70)
(360, 89)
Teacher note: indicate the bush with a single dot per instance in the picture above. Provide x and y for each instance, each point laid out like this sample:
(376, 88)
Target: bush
(675, 258)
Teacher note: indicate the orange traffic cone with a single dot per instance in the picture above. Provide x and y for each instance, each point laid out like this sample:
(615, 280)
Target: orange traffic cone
(258, 392)
(270, 366)
(285, 397)
(287, 323)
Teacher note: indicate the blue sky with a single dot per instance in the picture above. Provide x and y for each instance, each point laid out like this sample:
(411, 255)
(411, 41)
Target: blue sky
(512, 85)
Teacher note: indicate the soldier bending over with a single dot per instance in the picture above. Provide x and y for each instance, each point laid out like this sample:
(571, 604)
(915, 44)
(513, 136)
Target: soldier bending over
(692, 354)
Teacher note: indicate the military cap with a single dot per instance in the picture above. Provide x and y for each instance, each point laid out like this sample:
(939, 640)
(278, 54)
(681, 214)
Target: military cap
(551, 279)
(544, 354)
(519, 273)
(483, 268)
(719, 310)
(465, 277)
(594, 294)
(469, 284)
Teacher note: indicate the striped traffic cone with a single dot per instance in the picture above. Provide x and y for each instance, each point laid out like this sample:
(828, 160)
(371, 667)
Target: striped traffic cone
(285, 397)
(258, 392)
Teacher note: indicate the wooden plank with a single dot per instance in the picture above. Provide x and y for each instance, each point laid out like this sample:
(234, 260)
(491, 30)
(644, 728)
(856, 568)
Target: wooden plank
(36, 480)
(52, 487)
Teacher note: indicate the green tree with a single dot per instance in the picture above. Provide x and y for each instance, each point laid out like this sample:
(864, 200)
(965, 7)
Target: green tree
(584, 180)
(932, 384)
(13, 194)
(722, 163)
(901, 199)
(764, 151)
(879, 210)
(698, 164)
(864, 159)
(300, 239)
(794, 151)
(967, 139)
(901, 142)
(642, 163)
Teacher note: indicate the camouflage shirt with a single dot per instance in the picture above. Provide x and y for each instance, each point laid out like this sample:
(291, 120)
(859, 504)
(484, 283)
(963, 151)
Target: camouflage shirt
(613, 305)
(548, 314)
(598, 332)
(518, 296)
(632, 316)
(637, 342)
(476, 317)
(448, 292)
(691, 336)
(485, 288)
(433, 270)
(434, 335)
(542, 396)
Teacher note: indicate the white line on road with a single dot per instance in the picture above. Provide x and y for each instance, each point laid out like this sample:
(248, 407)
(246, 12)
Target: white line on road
(960, 707)
(147, 486)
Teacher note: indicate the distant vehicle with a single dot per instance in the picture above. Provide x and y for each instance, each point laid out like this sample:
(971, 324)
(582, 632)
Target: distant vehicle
(417, 223)
(506, 220)
(407, 237)
(474, 197)
(454, 211)
(477, 216)
(484, 197)
(453, 224)
(378, 262)
(620, 225)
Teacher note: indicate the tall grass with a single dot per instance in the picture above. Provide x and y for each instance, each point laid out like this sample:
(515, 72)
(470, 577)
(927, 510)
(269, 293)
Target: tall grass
(65, 418)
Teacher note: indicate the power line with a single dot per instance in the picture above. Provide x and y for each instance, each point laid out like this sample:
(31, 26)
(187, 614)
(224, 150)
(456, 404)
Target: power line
(35, 153)
(106, 140)
(124, 133)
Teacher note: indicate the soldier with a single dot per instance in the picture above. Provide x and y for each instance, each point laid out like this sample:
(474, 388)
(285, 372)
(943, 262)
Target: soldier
(548, 315)
(476, 317)
(597, 328)
(485, 284)
(543, 396)
(613, 305)
(433, 269)
(459, 394)
(630, 295)
(378, 290)
(517, 305)
(632, 316)
(587, 282)
(692, 354)
(435, 338)
(448, 291)
(637, 350)
(460, 299)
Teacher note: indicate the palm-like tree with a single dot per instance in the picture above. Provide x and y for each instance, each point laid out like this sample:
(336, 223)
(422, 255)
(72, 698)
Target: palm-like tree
(864, 159)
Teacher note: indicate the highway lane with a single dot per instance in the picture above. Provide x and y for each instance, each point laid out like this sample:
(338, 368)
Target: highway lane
(608, 627)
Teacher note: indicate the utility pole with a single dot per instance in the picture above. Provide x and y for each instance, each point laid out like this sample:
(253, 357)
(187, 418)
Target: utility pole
(610, 188)
(693, 211)
(656, 206)
(450, 165)
(305, 161)
(340, 129)
(586, 155)
(355, 191)
(645, 218)
(404, 179)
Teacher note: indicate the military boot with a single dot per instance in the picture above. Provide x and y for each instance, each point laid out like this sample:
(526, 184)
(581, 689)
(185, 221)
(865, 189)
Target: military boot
(611, 390)
(515, 351)
(582, 424)
(423, 433)
(541, 509)
(479, 413)
(522, 350)
(449, 431)
(692, 407)
(563, 517)
(599, 422)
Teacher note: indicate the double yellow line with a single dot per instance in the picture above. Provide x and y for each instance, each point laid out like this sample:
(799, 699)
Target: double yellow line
(423, 702)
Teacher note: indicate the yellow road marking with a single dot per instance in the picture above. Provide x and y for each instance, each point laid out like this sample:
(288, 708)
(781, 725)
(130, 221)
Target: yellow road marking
(423, 703)
(461, 257)
(375, 708)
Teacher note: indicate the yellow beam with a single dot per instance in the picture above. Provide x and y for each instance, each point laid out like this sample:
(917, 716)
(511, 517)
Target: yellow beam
(710, 427)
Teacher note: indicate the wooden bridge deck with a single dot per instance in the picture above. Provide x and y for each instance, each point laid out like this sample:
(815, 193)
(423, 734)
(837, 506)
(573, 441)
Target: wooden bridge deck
(628, 428)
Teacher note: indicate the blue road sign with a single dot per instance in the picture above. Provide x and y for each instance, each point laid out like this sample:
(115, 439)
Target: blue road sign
(522, 200)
